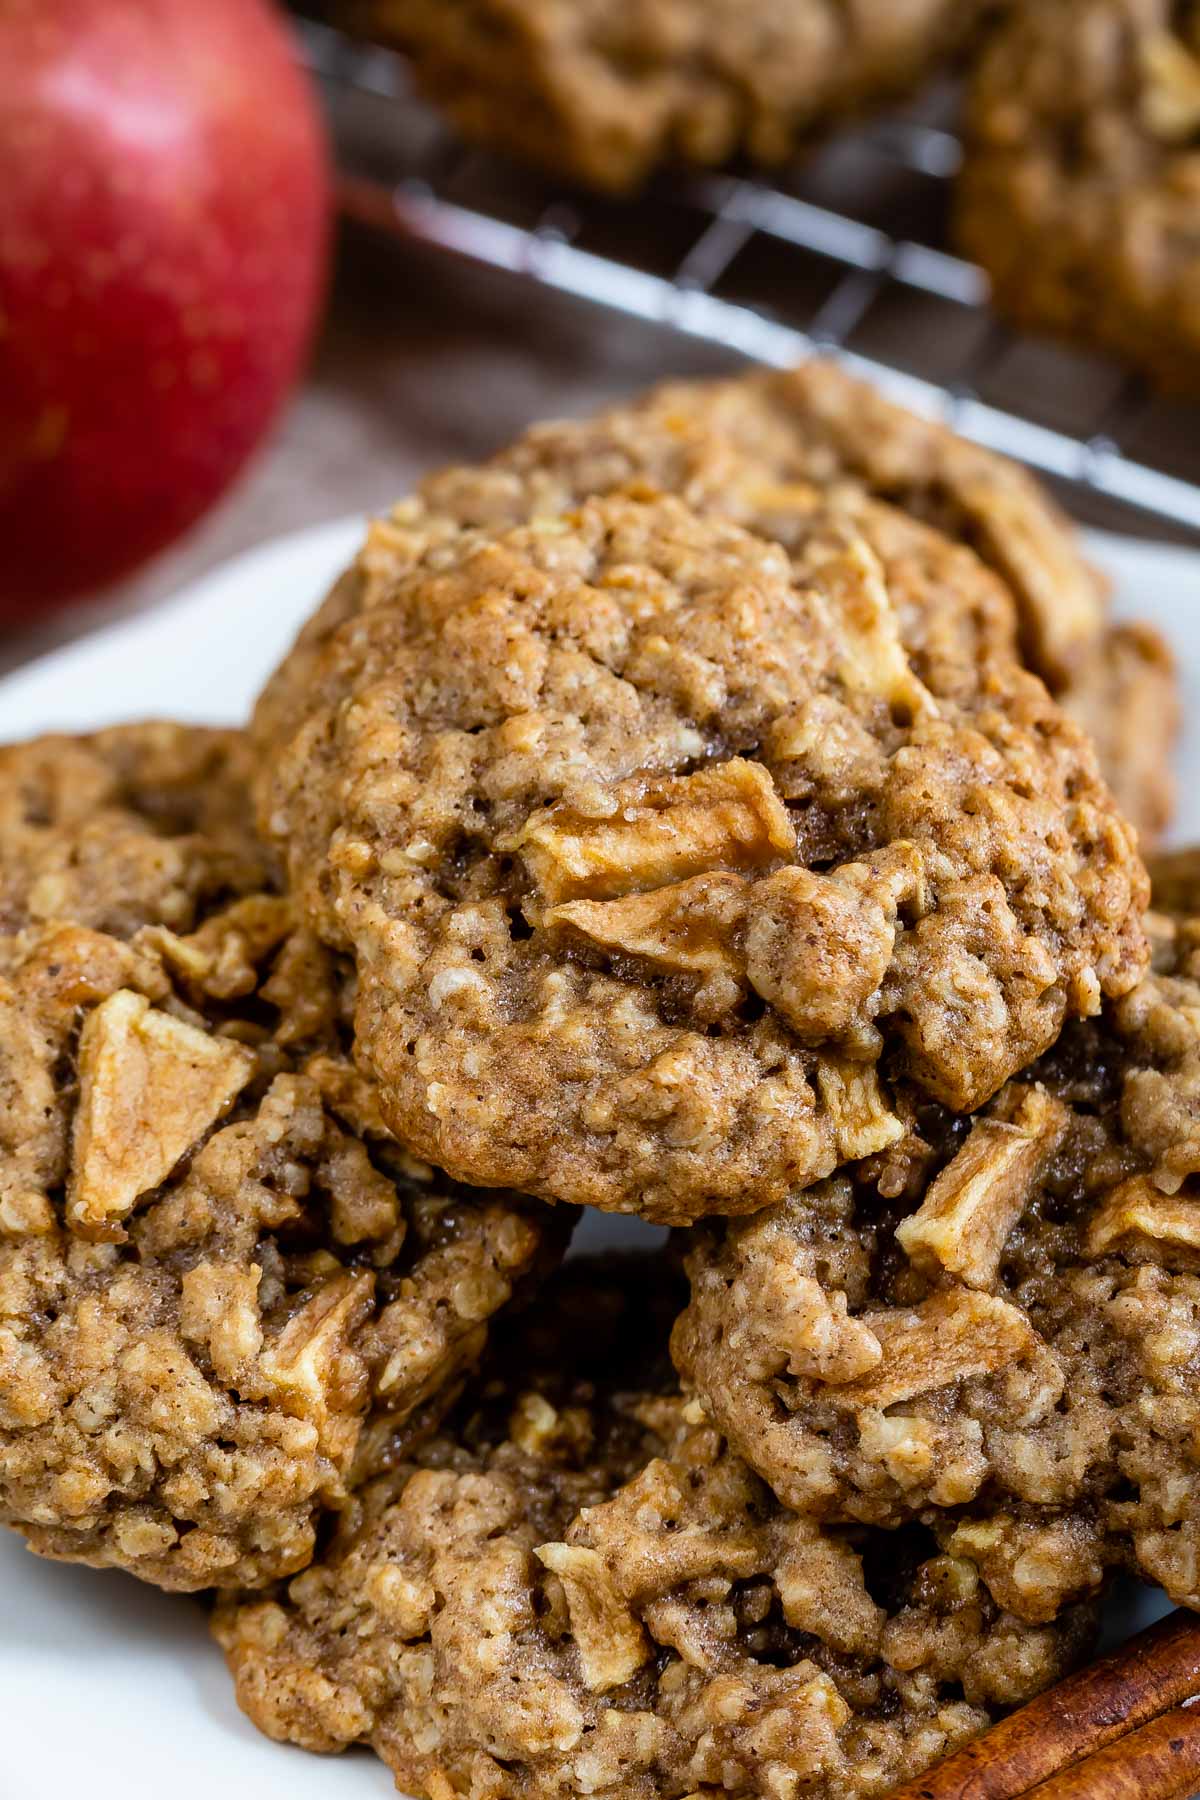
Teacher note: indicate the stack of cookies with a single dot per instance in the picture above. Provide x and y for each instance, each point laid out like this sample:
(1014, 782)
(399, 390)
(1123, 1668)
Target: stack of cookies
(702, 814)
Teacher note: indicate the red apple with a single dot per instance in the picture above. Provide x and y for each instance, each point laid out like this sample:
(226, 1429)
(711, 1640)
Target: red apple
(164, 206)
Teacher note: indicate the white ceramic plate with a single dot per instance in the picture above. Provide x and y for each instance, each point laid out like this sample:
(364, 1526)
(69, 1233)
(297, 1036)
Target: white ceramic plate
(107, 1688)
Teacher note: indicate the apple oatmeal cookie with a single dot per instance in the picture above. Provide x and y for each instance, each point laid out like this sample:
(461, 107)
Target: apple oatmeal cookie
(605, 90)
(140, 825)
(661, 862)
(767, 450)
(579, 1589)
(996, 1325)
(1081, 187)
(223, 1287)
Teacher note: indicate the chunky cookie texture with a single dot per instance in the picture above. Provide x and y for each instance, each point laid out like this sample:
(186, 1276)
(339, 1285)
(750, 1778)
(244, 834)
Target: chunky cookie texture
(996, 1327)
(769, 451)
(580, 1589)
(224, 1290)
(603, 92)
(1082, 180)
(660, 860)
(140, 825)
(816, 424)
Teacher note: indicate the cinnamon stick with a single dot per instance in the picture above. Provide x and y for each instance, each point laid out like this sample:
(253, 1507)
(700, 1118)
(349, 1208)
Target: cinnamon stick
(1161, 1761)
(1149, 1675)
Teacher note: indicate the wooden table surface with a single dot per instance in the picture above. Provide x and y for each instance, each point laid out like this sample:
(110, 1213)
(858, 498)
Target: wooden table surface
(422, 361)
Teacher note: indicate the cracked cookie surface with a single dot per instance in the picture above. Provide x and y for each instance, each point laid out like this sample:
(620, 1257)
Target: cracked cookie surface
(660, 857)
(579, 1589)
(1081, 183)
(769, 451)
(223, 1287)
(604, 90)
(996, 1327)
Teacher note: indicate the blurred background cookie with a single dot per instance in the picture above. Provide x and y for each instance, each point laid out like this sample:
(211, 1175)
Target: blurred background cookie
(606, 92)
(1080, 193)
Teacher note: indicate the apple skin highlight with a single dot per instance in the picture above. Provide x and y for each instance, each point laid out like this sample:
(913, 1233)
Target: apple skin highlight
(164, 228)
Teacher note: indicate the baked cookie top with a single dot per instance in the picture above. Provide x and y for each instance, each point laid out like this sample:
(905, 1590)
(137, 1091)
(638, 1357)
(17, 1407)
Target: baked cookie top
(224, 1290)
(761, 449)
(604, 90)
(765, 450)
(661, 863)
(818, 424)
(998, 1323)
(1079, 191)
(578, 1589)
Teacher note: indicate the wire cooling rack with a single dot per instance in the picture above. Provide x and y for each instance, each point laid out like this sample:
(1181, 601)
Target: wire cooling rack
(845, 257)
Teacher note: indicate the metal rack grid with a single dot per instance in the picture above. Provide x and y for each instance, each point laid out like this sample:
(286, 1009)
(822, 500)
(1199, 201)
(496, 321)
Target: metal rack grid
(844, 258)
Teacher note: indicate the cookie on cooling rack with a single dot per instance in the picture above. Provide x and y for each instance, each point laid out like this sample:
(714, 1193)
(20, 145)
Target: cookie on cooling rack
(1081, 189)
(603, 91)
(223, 1288)
(765, 450)
(999, 1322)
(660, 862)
(577, 1588)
